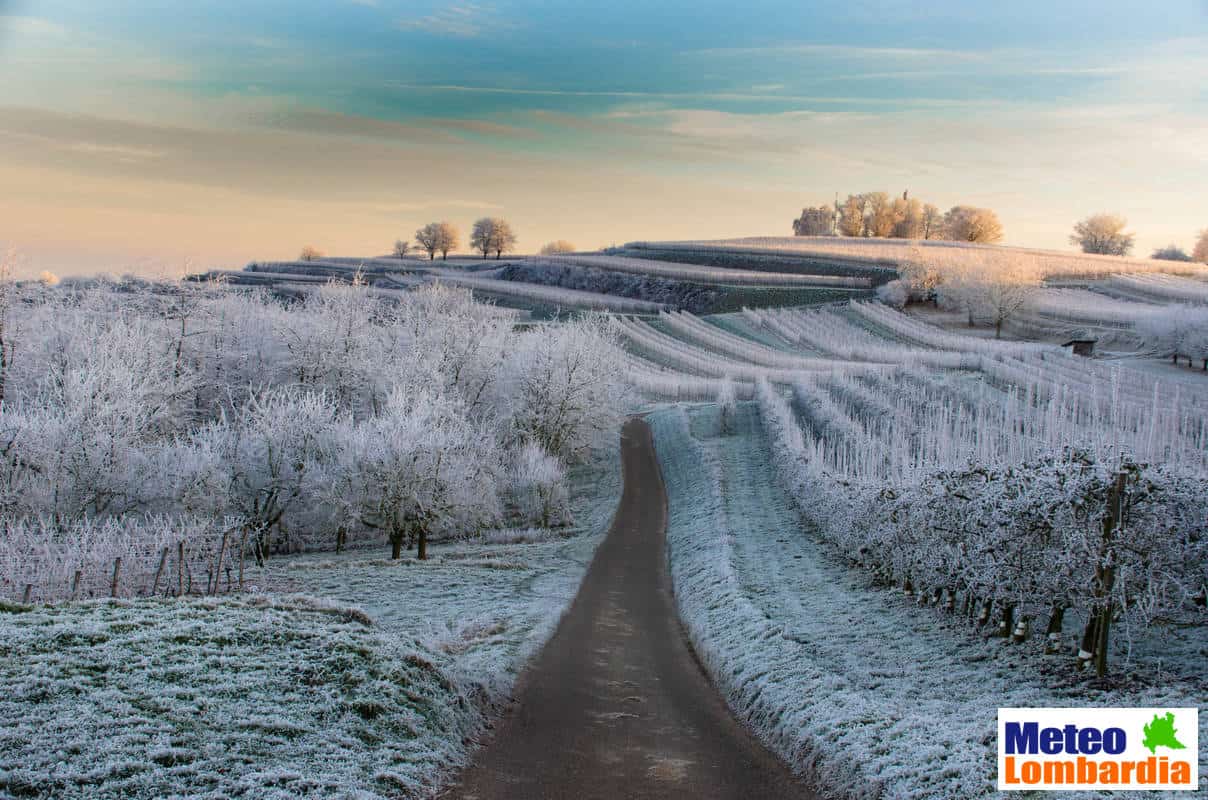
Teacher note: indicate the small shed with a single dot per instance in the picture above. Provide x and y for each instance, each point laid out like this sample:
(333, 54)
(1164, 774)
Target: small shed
(1081, 347)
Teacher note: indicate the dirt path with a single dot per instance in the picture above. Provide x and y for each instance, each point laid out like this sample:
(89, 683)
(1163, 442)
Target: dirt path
(616, 707)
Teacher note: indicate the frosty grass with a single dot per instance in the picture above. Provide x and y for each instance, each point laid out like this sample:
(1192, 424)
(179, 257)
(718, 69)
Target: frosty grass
(372, 681)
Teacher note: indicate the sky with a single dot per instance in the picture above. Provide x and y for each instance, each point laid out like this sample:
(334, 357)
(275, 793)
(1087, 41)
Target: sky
(158, 136)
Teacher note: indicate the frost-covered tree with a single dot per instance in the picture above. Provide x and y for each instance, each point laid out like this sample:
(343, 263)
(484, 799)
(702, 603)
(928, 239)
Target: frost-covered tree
(969, 224)
(332, 340)
(418, 468)
(921, 272)
(310, 253)
(819, 221)
(911, 218)
(1103, 234)
(851, 215)
(438, 237)
(1178, 330)
(1200, 252)
(492, 235)
(990, 286)
(401, 248)
(276, 453)
(558, 247)
(567, 387)
(880, 215)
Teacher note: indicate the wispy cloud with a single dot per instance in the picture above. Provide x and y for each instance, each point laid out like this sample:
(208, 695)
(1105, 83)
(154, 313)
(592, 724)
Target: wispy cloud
(30, 26)
(463, 20)
(622, 94)
(849, 51)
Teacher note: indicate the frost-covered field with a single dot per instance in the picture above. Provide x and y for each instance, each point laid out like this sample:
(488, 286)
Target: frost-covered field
(864, 693)
(359, 677)
(1052, 263)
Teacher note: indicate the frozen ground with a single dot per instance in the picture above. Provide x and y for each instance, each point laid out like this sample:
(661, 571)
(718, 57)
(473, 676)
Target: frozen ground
(864, 694)
(378, 688)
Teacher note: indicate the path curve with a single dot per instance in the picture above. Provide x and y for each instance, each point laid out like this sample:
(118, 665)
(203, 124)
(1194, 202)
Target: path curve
(616, 707)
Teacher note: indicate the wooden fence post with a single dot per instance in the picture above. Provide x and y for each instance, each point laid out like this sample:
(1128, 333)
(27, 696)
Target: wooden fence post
(29, 590)
(117, 576)
(242, 550)
(163, 559)
(180, 569)
(218, 566)
(75, 584)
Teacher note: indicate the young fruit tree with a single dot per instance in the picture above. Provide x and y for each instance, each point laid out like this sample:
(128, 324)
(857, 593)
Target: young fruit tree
(418, 468)
(276, 452)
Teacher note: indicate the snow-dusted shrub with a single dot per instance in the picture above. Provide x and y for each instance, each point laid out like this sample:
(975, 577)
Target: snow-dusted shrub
(539, 484)
(894, 293)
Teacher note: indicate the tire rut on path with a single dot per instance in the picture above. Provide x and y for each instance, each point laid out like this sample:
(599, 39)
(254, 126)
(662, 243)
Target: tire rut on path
(616, 706)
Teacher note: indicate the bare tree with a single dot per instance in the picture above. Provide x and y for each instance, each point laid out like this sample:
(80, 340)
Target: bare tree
(933, 222)
(311, 253)
(818, 221)
(558, 247)
(970, 224)
(400, 248)
(492, 235)
(1200, 253)
(1103, 234)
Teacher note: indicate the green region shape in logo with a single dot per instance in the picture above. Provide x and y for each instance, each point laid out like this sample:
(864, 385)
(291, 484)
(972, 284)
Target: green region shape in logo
(1161, 733)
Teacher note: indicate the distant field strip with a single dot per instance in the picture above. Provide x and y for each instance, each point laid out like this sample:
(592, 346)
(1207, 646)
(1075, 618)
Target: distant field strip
(695, 359)
(551, 295)
(1162, 288)
(714, 275)
(882, 251)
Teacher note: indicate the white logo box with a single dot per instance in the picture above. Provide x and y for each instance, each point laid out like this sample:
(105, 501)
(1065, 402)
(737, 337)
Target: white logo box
(1055, 766)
